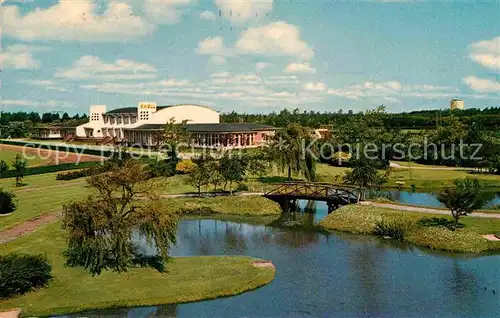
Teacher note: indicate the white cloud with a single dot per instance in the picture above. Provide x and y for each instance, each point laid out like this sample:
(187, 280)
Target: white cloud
(274, 39)
(20, 57)
(317, 87)
(212, 46)
(51, 105)
(220, 75)
(218, 60)
(262, 65)
(487, 53)
(165, 11)
(91, 67)
(208, 15)
(482, 85)
(299, 68)
(70, 20)
(241, 11)
(47, 84)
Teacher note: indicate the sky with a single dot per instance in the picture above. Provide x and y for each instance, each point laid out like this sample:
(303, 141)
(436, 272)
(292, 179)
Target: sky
(249, 56)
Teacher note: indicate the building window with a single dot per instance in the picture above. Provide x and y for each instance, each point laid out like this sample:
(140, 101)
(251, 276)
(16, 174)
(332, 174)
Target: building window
(94, 117)
(143, 115)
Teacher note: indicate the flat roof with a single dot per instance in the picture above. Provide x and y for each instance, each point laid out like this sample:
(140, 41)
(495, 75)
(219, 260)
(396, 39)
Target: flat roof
(220, 128)
(133, 110)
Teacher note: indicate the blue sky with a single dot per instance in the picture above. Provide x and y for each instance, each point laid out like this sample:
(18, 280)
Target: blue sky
(249, 56)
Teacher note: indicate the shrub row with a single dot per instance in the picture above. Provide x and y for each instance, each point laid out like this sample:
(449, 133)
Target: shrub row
(71, 175)
(55, 168)
(20, 274)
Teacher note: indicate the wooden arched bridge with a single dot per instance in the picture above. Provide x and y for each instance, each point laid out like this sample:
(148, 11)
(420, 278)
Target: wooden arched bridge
(286, 194)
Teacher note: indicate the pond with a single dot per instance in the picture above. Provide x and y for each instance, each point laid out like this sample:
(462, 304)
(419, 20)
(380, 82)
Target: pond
(490, 198)
(320, 275)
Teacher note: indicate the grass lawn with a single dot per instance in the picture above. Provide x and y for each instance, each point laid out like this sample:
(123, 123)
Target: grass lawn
(422, 229)
(236, 205)
(73, 289)
(8, 156)
(422, 178)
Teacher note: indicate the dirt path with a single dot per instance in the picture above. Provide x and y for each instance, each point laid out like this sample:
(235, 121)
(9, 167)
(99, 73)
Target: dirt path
(27, 227)
(398, 166)
(426, 210)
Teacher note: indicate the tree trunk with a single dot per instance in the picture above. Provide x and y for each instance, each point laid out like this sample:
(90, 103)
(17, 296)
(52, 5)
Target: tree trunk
(289, 173)
(456, 217)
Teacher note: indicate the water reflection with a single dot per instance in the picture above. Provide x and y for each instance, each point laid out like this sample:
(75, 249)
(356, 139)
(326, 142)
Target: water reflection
(320, 275)
(429, 199)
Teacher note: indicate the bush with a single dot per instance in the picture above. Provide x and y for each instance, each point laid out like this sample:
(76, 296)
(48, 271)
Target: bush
(20, 274)
(242, 187)
(81, 173)
(185, 166)
(200, 210)
(161, 168)
(393, 228)
(7, 202)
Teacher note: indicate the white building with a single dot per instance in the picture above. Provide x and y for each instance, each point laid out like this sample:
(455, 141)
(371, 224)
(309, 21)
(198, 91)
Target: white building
(114, 123)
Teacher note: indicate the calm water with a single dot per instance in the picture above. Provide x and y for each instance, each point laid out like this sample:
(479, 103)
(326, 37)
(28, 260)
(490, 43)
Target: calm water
(335, 275)
(429, 199)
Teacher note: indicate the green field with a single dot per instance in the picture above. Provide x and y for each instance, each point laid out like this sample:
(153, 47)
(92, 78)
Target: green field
(73, 289)
(426, 229)
(8, 156)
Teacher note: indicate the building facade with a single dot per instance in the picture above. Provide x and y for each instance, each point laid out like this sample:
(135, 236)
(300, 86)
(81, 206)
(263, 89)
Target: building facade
(143, 126)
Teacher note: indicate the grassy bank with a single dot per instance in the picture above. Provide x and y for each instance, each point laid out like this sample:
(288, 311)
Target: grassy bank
(227, 205)
(421, 178)
(73, 290)
(428, 230)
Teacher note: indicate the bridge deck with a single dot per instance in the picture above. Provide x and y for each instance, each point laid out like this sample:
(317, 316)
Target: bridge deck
(312, 191)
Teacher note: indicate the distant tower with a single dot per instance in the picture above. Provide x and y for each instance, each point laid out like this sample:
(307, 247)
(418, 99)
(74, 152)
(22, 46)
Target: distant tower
(456, 104)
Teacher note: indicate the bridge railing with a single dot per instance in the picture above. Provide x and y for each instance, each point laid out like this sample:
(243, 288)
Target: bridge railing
(312, 190)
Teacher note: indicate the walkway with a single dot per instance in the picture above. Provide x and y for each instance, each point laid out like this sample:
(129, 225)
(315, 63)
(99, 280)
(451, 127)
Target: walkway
(405, 166)
(427, 210)
(27, 226)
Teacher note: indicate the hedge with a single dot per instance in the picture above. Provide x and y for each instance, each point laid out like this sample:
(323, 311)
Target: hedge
(55, 168)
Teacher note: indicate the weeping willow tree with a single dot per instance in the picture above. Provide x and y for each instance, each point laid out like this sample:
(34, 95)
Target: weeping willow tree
(101, 226)
(292, 150)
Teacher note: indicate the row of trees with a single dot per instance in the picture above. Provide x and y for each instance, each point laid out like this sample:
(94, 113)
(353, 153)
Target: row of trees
(489, 118)
(21, 124)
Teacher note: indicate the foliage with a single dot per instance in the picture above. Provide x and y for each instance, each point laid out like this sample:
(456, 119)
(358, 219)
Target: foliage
(232, 169)
(364, 175)
(185, 166)
(174, 137)
(394, 228)
(3, 167)
(442, 238)
(161, 168)
(102, 225)
(20, 274)
(71, 175)
(200, 176)
(19, 166)
(462, 197)
(7, 202)
(293, 149)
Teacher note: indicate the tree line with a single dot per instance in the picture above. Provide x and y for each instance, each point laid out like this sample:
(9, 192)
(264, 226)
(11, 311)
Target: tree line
(487, 118)
(21, 124)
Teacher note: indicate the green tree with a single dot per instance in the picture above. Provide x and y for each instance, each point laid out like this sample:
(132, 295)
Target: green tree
(3, 168)
(216, 178)
(257, 165)
(20, 166)
(101, 226)
(200, 176)
(364, 175)
(232, 170)
(175, 136)
(291, 151)
(462, 197)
